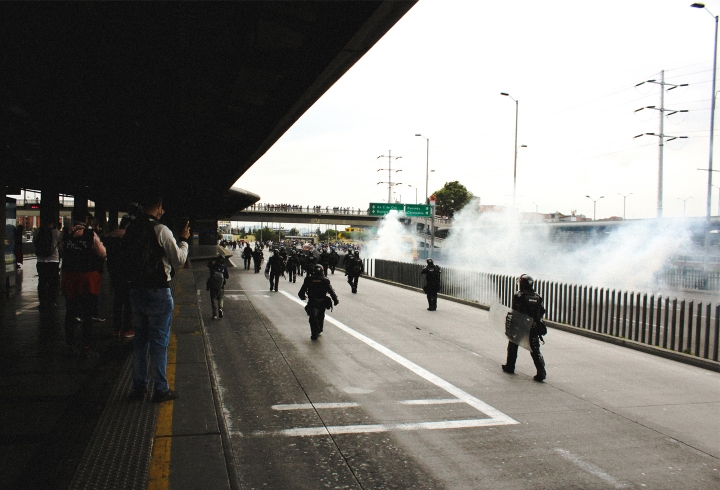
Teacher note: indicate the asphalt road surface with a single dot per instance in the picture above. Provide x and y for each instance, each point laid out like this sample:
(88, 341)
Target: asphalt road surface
(394, 396)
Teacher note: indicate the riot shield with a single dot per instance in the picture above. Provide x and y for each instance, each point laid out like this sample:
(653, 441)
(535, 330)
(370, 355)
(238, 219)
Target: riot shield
(516, 325)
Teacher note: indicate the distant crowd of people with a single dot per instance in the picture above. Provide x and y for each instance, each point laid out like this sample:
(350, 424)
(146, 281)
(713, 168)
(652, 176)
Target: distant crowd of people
(294, 208)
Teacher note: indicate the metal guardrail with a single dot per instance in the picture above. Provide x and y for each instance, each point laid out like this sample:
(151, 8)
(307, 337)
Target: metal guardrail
(684, 278)
(660, 321)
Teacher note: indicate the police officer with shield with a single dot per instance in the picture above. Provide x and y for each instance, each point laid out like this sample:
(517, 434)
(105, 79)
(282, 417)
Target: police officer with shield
(528, 302)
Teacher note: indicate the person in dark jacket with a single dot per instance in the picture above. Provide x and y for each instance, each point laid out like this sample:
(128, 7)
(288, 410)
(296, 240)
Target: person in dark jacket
(334, 259)
(324, 260)
(122, 309)
(528, 302)
(216, 284)
(432, 283)
(257, 257)
(292, 265)
(353, 269)
(317, 287)
(274, 269)
(247, 255)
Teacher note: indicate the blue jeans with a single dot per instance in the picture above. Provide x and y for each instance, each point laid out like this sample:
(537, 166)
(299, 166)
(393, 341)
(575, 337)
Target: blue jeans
(152, 312)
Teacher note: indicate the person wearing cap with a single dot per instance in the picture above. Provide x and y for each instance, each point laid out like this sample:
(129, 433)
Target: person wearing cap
(216, 285)
(432, 283)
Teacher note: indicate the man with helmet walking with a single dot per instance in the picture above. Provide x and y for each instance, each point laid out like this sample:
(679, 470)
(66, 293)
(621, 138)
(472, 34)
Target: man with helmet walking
(432, 283)
(528, 302)
(317, 287)
(353, 269)
(275, 268)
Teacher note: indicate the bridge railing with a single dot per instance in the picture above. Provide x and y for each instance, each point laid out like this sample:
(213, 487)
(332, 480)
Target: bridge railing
(661, 321)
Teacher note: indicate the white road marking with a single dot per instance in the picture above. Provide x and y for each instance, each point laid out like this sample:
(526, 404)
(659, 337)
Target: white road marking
(431, 401)
(310, 406)
(496, 416)
(591, 468)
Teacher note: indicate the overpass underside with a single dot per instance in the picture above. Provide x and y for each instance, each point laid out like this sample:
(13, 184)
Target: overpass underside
(307, 218)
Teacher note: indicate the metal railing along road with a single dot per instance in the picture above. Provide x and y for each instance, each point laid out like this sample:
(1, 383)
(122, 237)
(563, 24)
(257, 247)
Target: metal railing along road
(661, 321)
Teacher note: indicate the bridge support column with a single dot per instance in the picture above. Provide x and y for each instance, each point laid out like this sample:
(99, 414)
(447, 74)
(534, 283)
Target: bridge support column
(4, 283)
(49, 206)
(207, 231)
(100, 216)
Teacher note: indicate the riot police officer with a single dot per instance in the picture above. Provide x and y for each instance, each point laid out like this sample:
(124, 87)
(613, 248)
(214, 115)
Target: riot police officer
(275, 268)
(324, 260)
(353, 269)
(257, 257)
(528, 302)
(317, 287)
(432, 283)
(334, 259)
(292, 265)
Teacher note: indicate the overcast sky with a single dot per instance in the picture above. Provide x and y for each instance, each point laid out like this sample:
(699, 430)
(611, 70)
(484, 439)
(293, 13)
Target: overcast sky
(573, 67)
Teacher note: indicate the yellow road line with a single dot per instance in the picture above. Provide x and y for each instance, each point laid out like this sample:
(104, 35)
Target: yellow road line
(159, 474)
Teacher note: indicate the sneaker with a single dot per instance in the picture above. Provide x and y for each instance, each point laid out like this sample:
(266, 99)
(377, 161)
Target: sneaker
(98, 319)
(539, 378)
(164, 396)
(508, 369)
(220, 313)
(128, 334)
(137, 394)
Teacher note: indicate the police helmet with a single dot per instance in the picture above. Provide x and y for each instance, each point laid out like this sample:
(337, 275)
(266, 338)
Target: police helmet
(357, 253)
(318, 270)
(430, 262)
(526, 282)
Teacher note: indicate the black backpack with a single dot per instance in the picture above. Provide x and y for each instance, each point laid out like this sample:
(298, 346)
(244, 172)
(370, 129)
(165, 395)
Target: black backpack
(44, 242)
(143, 255)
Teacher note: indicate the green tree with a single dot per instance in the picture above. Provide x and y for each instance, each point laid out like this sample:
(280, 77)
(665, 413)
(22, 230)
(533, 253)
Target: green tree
(451, 198)
(267, 234)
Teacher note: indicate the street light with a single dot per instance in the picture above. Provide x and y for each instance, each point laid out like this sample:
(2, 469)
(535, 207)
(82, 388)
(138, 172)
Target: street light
(516, 145)
(415, 191)
(594, 204)
(712, 121)
(624, 196)
(536, 207)
(427, 163)
(684, 200)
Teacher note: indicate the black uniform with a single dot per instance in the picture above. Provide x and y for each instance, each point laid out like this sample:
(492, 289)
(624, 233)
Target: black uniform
(257, 256)
(324, 261)
(317, 287)
(276, 268)
(334, 259)
(432, 284)
(291, 266)
(310, 262)
(527, 301)
(353, 270)
(247, 255)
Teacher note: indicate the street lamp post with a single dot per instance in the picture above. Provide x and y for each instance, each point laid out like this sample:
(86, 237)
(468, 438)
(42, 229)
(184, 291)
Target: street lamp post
(594, 204)
(624, 196)
(427, 177)
(415, 192)
(684, 201)
(516, 145)
(712, 123)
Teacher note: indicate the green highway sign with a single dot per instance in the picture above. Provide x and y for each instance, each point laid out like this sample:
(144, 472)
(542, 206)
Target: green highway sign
(417, 210)
(383, 208)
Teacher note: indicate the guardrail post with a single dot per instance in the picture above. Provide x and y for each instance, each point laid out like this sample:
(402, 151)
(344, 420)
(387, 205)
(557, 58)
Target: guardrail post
(716, 340)
(658, 325)
(650, 322)
(706, 344)
(691, 313)
(698, 328)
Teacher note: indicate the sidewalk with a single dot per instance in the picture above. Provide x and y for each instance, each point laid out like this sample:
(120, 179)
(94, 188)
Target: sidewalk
(67, 423)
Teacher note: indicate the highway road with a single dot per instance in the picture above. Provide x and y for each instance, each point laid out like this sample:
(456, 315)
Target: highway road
(395, 396)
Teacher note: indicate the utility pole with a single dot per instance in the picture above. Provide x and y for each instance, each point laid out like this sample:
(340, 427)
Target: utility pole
(389, 169)
(661, 136)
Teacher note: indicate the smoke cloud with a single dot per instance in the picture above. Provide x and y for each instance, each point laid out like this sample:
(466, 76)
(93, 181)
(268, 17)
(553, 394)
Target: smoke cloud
(628, 258)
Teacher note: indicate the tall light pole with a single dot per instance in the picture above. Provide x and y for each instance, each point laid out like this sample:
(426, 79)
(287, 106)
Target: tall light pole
(389, 169)
(415, 192)
(516, 145)
(712, 123)
(536, 207)
(624, 196)
(684, 201)
(427, 164)
(594, 204)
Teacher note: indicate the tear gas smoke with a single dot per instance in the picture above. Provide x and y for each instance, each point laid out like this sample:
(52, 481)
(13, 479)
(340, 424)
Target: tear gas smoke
(627, 258)
(393, 240)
